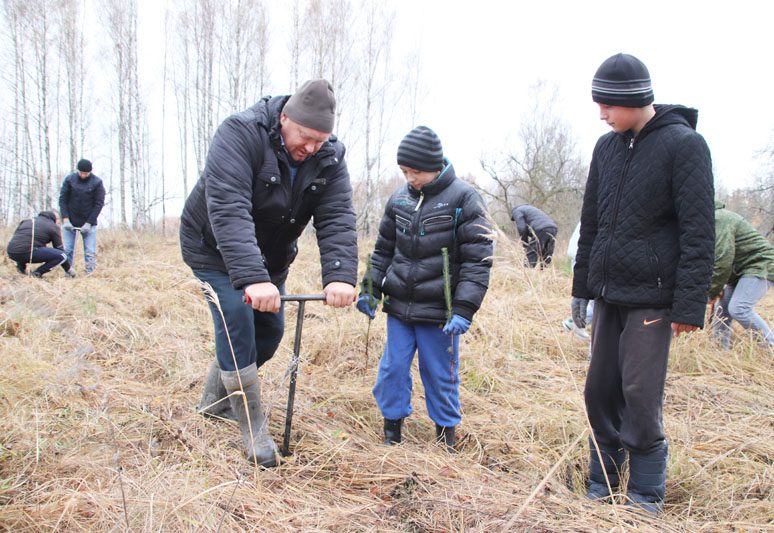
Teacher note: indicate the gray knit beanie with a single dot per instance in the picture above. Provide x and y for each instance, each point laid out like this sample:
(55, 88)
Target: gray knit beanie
(421, 150)
(313, 106)
(622, 80)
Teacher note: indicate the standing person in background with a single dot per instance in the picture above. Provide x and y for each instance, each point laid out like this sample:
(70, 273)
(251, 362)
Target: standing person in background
(270, 169)
(80, 201)
(435, 210)
(744, 264)
(29, 244)
(538, 233)
(645, 253)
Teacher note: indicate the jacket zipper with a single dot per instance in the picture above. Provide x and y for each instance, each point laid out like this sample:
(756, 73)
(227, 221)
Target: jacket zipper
(414, 244)
(618, 194)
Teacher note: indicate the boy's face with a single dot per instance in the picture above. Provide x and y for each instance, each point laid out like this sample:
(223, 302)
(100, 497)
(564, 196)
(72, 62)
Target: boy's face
(620, 119)
(418, 178)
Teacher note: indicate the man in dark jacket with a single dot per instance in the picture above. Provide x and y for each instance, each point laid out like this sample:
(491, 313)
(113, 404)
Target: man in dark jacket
(270, 169)
(29, 244)
(435, 210)
(538, 233)
(81, 200)
(645, 253)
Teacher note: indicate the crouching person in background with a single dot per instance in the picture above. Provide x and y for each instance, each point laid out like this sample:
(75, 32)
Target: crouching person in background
(29, 244)
(435, 210)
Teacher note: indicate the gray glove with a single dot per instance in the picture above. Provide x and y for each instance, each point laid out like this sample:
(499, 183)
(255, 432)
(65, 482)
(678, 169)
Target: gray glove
(85, 228)
(67, 224)
(578, 306)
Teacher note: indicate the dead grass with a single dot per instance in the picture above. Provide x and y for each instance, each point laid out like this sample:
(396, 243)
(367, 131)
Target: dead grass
(98, 432)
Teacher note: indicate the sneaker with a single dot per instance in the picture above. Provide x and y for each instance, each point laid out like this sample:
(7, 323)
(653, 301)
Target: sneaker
(21, 269)
(70, 273)
(582, 334)
(36, 274)
(568, 324)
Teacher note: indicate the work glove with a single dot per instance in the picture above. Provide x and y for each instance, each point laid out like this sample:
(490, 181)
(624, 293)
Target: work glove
(67, 224)
(578, 306)
(456, 325)
(364, 306)
(85, 228)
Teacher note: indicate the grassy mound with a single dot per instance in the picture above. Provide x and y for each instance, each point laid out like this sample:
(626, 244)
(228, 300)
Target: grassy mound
(99, 377)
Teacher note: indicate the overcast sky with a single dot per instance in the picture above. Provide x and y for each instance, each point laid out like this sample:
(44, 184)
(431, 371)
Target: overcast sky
(480, 58)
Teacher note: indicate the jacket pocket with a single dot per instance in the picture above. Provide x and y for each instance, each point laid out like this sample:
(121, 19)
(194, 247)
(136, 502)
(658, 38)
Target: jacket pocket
(402, 224)
(655, 266)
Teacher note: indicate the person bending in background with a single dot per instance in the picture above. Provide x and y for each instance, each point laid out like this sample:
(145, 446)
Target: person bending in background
(29, 244)
(434, 210)
(538, 234)
(744, 264)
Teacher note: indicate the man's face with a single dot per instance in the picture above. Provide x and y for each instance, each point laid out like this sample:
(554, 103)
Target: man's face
(83, 175)
(418, 178)
(620, 119)
(301, 142)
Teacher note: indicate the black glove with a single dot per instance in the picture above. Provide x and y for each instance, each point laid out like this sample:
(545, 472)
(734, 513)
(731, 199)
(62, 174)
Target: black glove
(578, 306)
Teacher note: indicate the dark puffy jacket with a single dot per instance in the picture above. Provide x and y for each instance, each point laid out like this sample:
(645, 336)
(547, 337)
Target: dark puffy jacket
(46, 231)
(407, 263)
(647, 225)
(81, 200)
(530, 219)
(243, 217)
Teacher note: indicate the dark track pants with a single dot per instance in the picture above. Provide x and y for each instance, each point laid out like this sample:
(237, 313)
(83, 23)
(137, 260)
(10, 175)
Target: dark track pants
(540, 248)
(625, 382)
(50, 257)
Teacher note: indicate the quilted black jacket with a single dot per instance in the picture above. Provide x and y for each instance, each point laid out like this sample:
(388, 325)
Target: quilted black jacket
(244, 215)
(407, 262)
(648, 219)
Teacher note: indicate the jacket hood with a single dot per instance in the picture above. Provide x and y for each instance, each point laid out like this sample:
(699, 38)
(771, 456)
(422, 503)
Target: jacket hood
(673, 114)
(48, 214)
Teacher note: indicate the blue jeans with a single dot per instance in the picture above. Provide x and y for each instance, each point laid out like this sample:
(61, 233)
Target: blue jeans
(438, 368)
(253, 335)
(737, 303)
(89, 247)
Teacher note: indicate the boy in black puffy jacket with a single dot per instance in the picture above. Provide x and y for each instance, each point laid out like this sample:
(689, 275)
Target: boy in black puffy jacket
(645, 254)
(435, 210)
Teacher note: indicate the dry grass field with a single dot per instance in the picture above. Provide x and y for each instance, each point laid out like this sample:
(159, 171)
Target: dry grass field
(99, 377)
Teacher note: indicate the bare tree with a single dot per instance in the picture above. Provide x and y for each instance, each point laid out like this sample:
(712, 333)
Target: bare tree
(71, 50)
(544, 170)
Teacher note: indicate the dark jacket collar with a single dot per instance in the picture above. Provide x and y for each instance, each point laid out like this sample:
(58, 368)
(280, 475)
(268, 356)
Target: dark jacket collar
(443, 180)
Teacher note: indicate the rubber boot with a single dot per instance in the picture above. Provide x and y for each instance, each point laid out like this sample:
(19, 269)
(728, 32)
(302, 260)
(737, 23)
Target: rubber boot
(445, 434)
(647, 479)
(260, 449)
(392, 431)
(214, 403)
(613, 460)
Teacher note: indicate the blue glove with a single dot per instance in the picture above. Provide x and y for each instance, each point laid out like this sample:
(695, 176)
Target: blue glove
(85, 228)
(457, 325)
(67, 224)
(364, 307)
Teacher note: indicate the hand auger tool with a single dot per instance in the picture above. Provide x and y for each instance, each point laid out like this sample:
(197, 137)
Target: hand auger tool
(301, 299)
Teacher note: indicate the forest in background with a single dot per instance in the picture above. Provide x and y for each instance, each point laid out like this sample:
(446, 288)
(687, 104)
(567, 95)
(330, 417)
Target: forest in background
(74, 83)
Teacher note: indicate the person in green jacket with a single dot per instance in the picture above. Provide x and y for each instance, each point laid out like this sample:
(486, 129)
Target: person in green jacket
(742, 274)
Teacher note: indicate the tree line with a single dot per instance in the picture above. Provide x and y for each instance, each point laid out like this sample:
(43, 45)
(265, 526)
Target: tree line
(74, 85)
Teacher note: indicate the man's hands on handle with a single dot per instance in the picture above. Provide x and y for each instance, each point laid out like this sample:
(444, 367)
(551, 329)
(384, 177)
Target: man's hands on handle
(67, 224)
(263, 297)
(339, 294)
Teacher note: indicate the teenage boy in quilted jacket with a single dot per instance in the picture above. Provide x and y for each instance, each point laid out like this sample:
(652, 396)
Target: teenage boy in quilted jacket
(645, 255)
(434, 210)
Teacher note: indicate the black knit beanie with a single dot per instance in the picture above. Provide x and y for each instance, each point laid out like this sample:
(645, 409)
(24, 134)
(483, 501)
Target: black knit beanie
(421, 150)
(622, 80)
(84, 165)
(313, 106)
